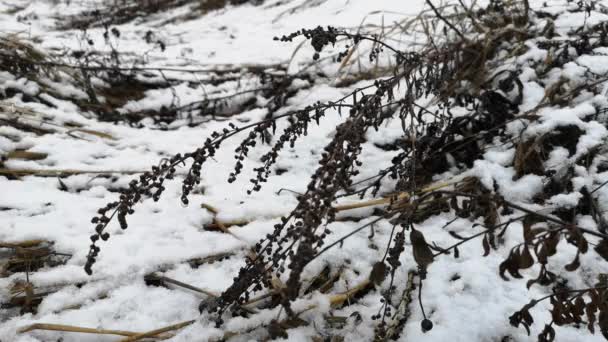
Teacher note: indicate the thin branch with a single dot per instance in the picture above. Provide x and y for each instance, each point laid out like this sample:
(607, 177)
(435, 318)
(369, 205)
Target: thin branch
(60, 173)
(76, 329)
(157, 332)
(446, 21)
(184, 285)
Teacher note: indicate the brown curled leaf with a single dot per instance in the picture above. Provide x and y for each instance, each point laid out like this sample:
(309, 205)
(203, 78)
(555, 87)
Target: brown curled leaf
(379, 272)
(602, 249)
(547, 335)
(486, 246)
(525, 260)
(574, 264)
(422, 252)
(590, 312)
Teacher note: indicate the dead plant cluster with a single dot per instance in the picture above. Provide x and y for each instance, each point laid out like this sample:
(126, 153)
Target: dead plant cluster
(455, 100)
(27, 257)
(461, 69)
(124, 11)
(111, 80)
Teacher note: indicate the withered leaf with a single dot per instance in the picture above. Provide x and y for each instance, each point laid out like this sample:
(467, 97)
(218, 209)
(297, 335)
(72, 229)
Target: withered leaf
(491, 217)
(547, 335)
(527, 225)
(602, 321)
(602, 280)
(527, 328)
(536, 231)
(62, 185)
(602, 249)
(595, 298)
(551, 244)
(293, 322)
(583, 245)
(528, 231)
(502, 268)
(379, 272)
(527, 159)
(579, 306)
(590, 312)
(518, 318)
(558, 312)
(541, 254)
(514, 319)
(456, 235)
(547, 278)
(486, 246)
(422, 253)
(501, 233)
(492, 240)
(531, 282)
(573, 265)
(526, 317)
(510, 265)
(525, 260)
(454, 203)
(456, 252)
(275, 330)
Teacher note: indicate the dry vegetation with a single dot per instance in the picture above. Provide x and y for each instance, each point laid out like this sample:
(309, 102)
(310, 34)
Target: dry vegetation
(460, 65)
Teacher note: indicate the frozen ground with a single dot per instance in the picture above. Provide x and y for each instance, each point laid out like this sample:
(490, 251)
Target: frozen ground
(465, 298)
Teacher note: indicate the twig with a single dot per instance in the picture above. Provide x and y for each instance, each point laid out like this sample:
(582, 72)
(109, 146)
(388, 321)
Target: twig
(184, 285)
(556, 220)
(340, 240)
(71, 328)
(402, 307)
(190, 287)
(228, 68)
(578, 292)
(156, 332)
(420, 282)
(400, 197)
(61, 172)
(21, 244)
(196, 262)
(27, 155)
(340, 298)
(91, 132)
(485, 231)
(403, 196)
(530, 212)
(470, 15)
(446, 21)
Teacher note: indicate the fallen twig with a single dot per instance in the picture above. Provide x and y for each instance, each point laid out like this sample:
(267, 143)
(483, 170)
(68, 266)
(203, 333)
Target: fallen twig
(22, 244)
(27, 155)
(168, 280)
(62, 173)
(156, 332)
(401, 197)
(76, 329)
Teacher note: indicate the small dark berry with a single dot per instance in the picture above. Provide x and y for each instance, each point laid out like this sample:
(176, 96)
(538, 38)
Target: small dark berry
(426, 325)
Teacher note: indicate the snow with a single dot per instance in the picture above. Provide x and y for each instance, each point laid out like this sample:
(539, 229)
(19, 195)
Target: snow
(164, 235)
(567, 201)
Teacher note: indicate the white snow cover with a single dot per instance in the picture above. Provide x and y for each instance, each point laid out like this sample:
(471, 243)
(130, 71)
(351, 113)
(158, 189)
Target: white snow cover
(465, 298)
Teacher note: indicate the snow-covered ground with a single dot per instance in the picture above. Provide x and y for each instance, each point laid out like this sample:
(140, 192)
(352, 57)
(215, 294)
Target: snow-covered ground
(465, 298)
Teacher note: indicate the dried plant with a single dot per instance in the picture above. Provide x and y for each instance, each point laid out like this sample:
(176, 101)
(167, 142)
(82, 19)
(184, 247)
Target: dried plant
(458, 68)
